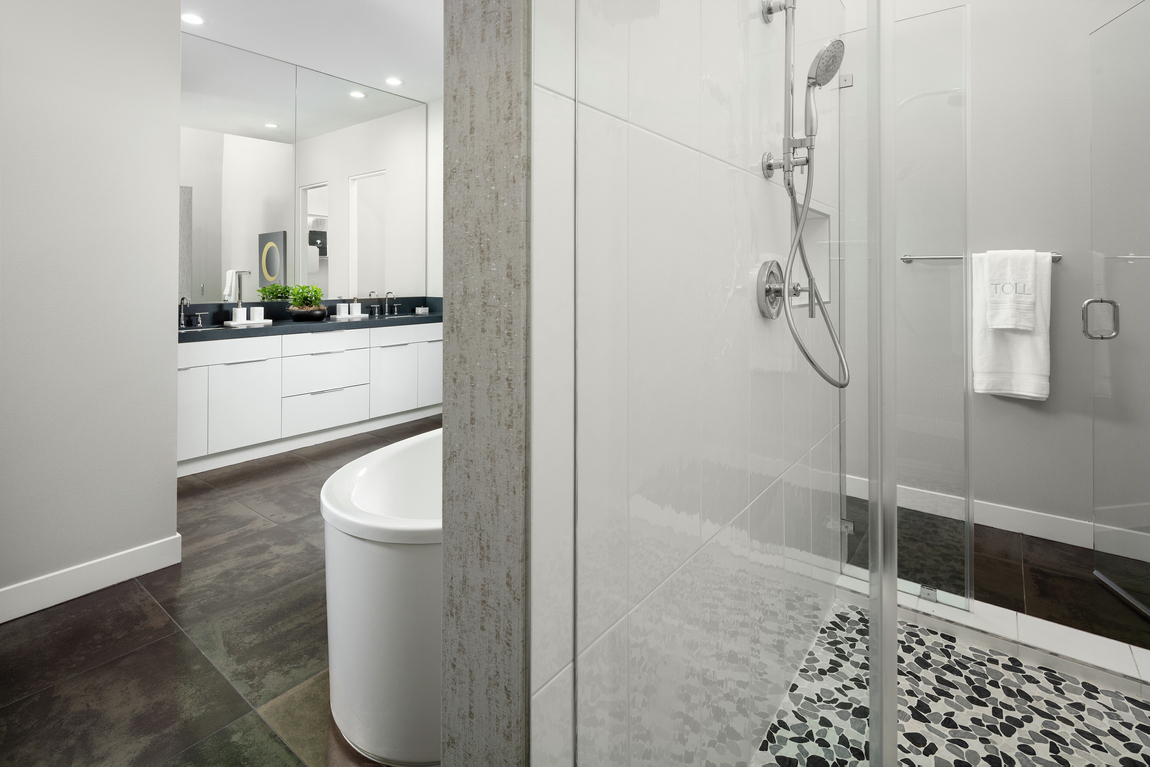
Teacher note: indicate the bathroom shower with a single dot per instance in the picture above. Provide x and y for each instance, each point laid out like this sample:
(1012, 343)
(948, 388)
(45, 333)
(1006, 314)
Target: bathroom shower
(772, 290)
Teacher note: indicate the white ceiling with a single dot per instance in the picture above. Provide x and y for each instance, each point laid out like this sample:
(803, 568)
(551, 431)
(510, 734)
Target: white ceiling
(365, 41)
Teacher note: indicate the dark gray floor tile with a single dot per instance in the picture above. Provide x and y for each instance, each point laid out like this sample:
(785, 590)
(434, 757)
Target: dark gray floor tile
(1001, 544)
(339, 751)
(285, 501)
(310, 528)
(46, 647)
(261, 472)
(221, 519)
(1084, 604)
(192, 489)
(340, 452)
(224, 576)
(136, 710)
(246, 742)
(300, 716)
(999, 582)
(267, 646)
(1058, 557)
(402, 431)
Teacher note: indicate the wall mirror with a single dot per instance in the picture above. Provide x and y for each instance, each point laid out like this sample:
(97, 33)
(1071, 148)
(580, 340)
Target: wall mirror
(332, 173)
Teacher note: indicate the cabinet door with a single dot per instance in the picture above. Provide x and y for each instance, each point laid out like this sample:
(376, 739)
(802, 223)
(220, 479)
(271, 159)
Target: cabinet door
(430, 373)
(243, 404)
(191, 413)
(393, 379)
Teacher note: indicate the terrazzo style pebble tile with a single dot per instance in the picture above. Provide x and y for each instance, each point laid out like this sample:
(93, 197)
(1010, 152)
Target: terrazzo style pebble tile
(959, 706)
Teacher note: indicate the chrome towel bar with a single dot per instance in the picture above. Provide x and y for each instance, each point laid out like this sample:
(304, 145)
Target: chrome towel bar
(907, 258)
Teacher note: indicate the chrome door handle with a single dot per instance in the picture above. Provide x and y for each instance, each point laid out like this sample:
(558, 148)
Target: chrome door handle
(320, 354)
(1086, 319)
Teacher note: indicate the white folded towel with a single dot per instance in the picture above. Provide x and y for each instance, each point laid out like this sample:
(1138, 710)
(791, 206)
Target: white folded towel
(230, 286)
(1009, 361)
(1010, 276)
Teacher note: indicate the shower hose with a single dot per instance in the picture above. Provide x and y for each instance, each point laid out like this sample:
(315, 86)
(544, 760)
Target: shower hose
(800, 219)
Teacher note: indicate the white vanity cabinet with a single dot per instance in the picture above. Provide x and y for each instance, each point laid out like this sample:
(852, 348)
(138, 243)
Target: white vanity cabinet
(243, 404)
(394, 387)
(191, 413)
(241, 392)
(430, 373)
(325, 380)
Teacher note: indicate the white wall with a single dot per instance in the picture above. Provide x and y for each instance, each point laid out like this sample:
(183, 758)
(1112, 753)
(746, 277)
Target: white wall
(89, 195)
(435, 198)
(396, 144)
(706, 455)
(256, 197)
(201, 168)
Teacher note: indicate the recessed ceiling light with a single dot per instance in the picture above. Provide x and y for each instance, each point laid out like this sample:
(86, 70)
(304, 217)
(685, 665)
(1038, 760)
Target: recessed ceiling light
(357, 94)
(191, 18)
(393, 81)
(270, 125)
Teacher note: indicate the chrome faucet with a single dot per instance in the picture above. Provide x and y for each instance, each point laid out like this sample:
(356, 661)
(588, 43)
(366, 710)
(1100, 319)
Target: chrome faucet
(240, 288)
(386, 296)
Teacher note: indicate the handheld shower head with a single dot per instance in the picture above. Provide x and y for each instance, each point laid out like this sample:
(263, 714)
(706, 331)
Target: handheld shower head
(823, 70)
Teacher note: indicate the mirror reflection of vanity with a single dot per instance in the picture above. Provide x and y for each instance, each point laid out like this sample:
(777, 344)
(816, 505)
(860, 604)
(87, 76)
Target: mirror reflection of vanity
(337, 170)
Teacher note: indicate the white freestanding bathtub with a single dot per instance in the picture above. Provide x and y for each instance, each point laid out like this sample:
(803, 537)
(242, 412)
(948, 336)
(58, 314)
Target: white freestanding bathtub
(383, 534)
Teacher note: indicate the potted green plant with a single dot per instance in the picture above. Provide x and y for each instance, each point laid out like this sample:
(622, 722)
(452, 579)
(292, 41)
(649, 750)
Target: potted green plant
(275, 292)
(307, 303)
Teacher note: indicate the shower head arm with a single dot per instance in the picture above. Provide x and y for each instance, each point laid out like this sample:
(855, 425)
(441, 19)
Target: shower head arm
(811, 124)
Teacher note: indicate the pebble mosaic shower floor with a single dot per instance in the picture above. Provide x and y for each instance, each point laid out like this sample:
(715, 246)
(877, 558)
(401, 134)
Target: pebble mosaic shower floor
(959, 705)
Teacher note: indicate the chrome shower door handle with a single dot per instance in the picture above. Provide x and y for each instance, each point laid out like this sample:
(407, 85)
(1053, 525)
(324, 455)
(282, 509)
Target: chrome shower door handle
(1086, 319)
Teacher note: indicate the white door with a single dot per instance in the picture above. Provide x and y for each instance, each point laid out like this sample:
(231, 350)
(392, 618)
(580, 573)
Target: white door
(243, 404)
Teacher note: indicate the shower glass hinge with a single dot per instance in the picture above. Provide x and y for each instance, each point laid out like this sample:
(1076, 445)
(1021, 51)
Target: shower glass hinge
(929, 593)
(846, 526)
(846, 81)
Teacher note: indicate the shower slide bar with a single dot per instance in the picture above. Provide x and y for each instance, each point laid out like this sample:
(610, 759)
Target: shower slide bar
(907, 258)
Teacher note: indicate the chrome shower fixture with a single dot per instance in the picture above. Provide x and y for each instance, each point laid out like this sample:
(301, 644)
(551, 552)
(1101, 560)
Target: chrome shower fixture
(775, 284)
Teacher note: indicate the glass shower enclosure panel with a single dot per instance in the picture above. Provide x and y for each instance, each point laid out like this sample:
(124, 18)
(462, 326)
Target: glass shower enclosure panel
(1117, 318)
(930, 336)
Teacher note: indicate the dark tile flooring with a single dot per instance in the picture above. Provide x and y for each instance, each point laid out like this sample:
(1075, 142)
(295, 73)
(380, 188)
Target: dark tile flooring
(219, 660)
(1035, 576)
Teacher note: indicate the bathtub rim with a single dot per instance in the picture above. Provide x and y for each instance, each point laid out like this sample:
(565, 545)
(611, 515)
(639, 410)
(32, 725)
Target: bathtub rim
(339, 511)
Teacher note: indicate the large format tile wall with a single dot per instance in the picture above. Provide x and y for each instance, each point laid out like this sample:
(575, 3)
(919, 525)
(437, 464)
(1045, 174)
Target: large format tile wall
(681, 570)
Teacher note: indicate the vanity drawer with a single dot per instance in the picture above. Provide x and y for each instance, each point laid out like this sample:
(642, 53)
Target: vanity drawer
(228, 351)
(326, 341)
(325, 370)
(322, 410)
(406, 334)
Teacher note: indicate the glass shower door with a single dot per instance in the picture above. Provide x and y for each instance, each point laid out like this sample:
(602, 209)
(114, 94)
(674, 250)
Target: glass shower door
(1117, 318)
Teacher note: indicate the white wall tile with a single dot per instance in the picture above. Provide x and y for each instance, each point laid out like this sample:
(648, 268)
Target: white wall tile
(664, 68)
(603, 53)
(770, 355)
(727, 590)
(720, 307)
(665, 359)
(552, 382)
(602, 378)
(604, 713)
(552, 722)
(554, 45)
(771, 670)
(725, 99)
(665, 675)
(826, 506)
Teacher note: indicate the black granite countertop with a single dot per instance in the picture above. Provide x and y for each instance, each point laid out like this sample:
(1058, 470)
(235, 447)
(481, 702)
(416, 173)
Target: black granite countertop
(290, 327)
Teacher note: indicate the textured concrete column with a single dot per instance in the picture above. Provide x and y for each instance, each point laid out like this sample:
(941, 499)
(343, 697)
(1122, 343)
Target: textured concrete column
(485, 405)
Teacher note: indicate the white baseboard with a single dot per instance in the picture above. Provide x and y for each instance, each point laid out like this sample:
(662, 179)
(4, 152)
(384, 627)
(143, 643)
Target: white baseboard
(37, 593)
(1038, 524)
(263, 450)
